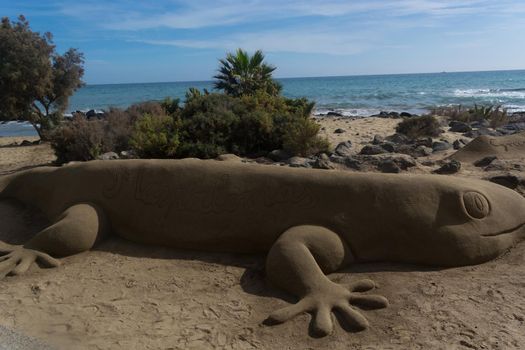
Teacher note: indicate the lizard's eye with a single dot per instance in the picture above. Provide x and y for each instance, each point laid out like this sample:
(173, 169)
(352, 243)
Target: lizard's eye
(476, 204)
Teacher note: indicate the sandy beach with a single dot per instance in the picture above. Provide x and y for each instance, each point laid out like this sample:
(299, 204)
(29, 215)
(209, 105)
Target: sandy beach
(123, 295)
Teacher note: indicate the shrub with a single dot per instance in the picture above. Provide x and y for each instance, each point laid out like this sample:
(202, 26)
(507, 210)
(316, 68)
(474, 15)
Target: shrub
(458, 113)
(118, 128)
(78, 140)
(494, 114)
(155, 136)
(301, 138)
(212, 124)
(208, 125)
(137, 110)
(416, 127)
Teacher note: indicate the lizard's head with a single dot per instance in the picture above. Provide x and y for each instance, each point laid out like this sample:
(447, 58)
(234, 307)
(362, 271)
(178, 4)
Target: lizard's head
(474, 221)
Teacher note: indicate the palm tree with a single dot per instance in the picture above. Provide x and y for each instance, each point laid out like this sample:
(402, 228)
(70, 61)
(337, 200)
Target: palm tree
(241, 74)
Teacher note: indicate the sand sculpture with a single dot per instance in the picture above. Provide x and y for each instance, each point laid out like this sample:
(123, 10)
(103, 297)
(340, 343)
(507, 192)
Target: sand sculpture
(503, 147)
(310, 222)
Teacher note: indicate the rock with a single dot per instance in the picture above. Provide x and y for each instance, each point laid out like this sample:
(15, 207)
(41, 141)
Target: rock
(388, 146)
(403, 161)
(333, 114)
(505, 131)
(405, 115)
(339, 131)
(26, 143)
(425, 141)
(456, 126)
(36, 142)
(91, 113)
(129, 155)
(372, 149)
(378, 139)
(479, 132)
(353, 163)
(389, 166)
(349, 162)
(262, 160)
(480, 124)
(406, 149)
(422, 151)
(393, 115)
(334, 158)
(450, 167)
(229, 157)
(440, 146)
(384, 114)
(502, 165)
(344, 149)
(497, 165)
(460, 143)
(485, 161)
(278, 155)
(108, 156)
(514, 127)
(397, 138)
(323, 162)
(298, 162)
(507, 180)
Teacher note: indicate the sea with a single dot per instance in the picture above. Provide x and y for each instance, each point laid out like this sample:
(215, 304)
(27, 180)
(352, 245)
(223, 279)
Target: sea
(352, 96)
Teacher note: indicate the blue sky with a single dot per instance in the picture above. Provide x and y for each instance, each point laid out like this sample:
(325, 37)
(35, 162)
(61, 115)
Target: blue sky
(181, 40)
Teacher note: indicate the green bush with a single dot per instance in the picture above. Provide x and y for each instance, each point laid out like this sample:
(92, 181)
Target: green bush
(494, 114)
(458, 113)
(212, 124)
(155, 136)
(301, 138)
(416, 127)
(81, 139)
(207, 125)
(118, 126)
(78, 140)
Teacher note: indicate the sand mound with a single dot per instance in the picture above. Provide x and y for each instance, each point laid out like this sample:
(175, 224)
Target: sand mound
(503, 147)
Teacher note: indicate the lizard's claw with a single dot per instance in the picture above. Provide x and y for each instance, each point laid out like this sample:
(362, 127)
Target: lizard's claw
(334, 296)
(18, 259)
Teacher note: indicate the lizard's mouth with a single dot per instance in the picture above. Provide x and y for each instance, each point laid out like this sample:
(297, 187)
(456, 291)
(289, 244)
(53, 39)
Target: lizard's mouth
(511, 230)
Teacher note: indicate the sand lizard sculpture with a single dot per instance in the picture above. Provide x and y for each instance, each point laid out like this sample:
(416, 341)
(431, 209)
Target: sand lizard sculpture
(309, 222)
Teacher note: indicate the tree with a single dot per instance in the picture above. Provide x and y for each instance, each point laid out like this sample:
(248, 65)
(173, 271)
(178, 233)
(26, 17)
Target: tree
(35, 81)
(241, 74)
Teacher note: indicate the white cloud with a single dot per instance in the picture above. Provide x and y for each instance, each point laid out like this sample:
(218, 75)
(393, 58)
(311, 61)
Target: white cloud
(306, 40)
(186, 14)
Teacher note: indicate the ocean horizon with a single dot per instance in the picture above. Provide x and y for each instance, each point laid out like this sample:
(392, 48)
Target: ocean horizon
(357, 95)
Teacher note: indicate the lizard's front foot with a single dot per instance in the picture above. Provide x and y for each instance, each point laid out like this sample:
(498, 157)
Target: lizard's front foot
(321, 301)
(17, 259)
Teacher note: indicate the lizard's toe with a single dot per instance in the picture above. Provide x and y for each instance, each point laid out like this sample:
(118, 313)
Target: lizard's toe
(322, 324)
(7, 266)
(289, 312)
(23, 266)
(352, 317)
(47, 260)
(362, 286)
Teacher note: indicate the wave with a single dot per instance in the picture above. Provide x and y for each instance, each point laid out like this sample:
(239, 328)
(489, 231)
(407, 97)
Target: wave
(366, 112)
(494, 93)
